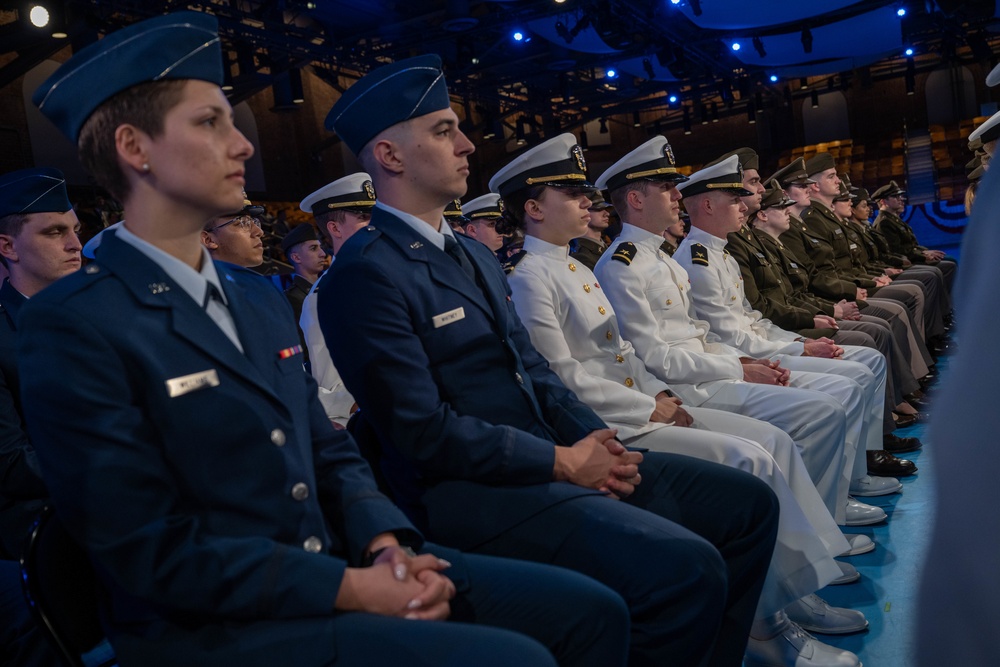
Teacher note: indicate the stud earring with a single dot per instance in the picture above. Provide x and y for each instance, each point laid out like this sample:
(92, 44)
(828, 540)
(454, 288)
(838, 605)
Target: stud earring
(145, 167)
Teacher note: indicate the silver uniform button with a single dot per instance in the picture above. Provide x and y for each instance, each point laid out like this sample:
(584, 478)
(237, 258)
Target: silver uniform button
(312, 545)
(300, 491)
(278, 437)
(520, 380)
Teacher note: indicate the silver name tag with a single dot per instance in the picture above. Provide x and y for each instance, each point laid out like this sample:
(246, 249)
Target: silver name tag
(449, 317)
(188, 383)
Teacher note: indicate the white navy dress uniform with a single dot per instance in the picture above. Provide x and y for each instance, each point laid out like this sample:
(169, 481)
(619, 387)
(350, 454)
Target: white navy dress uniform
(336, 400)
(652, 298)
(352, 192)
(571, 322)
(857, 381)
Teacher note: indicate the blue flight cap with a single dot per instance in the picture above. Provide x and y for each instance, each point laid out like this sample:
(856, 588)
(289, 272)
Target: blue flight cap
(40, 190)
(183, 45)
(388, 95)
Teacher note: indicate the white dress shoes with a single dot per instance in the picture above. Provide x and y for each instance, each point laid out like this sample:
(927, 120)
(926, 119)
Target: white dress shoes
(815, 614)
(860, 514)
(872, 485)
(794, 647)
(848, 574)
(860, 544)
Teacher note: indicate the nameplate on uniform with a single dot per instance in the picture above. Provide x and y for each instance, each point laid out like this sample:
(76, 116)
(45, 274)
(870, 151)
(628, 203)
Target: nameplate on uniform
(449, 317)
(188, 383)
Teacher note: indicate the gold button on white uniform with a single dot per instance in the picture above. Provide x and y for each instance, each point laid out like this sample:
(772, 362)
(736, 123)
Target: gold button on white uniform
(601, 310)
(300, 491)
(278, 437)
(629, 382)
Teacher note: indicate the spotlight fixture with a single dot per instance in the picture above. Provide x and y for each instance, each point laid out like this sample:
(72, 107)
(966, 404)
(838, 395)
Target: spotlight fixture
(687, 120)
(758, 45)
(675, 2)
(901, 12)
(807, 40)
(635, 119)
(611, 73)
(803, 83)
(647, 65)
(519, 133)
(39, 16)
(773, 78)
(908, 52)
(604, 126)
(715, 112)
(815, 99)
(672, 99)
(735, 46)
(704, 114)
(695, 7)
(584, 142)
(911, 76)
(751, 114)
(518, 36)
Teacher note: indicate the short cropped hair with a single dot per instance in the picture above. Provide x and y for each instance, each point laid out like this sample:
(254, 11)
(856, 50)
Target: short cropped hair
(11, 225)
(144, 106)
(619, 196)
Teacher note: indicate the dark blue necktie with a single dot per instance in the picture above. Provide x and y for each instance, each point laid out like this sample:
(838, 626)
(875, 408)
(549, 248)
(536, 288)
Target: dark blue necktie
(452, 247)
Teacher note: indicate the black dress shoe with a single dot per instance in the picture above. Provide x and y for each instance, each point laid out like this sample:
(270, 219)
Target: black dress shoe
(921, 404)
(893, 444)
(884, 464)
(902, 421)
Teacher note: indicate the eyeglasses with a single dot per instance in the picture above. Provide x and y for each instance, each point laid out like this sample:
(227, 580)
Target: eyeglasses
(245, 222)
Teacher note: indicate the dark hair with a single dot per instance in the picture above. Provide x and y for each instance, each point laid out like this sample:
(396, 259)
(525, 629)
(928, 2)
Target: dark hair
(619, 196)
(11, 225)
(144, 106)
(513, 214)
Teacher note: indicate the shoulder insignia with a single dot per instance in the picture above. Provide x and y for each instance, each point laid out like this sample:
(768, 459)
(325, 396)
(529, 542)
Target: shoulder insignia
(699, 254)
(509, 265)
(625, 253)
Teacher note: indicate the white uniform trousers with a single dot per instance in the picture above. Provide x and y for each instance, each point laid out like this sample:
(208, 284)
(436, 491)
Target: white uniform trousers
(808, 537)
(814, 420)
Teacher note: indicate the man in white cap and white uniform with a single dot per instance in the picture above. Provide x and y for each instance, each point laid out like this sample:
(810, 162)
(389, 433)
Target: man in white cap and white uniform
(482, 214)
(572, 323)
(717, 295)
(651, 293)
(340, 208)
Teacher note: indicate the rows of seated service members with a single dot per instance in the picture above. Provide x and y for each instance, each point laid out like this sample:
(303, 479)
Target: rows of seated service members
(640, 449)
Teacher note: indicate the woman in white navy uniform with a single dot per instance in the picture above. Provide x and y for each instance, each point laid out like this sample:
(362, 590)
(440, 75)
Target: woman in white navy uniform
(572, 324)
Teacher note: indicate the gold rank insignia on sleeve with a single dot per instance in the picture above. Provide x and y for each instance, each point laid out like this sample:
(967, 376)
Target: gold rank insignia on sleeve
(509, 265)
(625, 253)
(699, 254)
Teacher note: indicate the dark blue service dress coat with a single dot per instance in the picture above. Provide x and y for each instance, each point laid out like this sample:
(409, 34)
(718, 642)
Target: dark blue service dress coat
(462, 415)
(198, 478)
(22, 493)
(221, 508)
